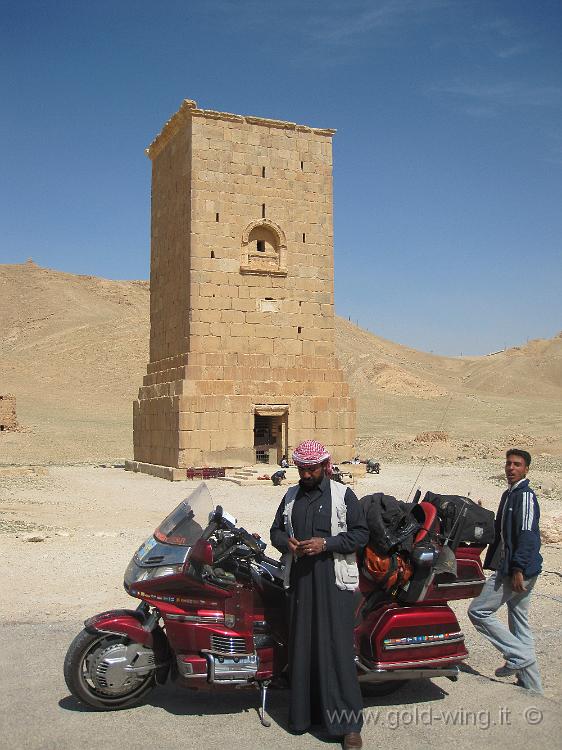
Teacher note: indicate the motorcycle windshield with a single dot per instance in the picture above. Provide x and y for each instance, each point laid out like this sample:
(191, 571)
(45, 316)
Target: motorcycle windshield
(186, 523)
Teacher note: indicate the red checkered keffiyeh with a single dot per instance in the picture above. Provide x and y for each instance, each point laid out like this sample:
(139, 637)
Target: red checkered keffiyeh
(311, 452)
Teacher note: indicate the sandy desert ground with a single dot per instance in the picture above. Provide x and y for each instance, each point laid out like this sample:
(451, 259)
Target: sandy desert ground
(73, 350)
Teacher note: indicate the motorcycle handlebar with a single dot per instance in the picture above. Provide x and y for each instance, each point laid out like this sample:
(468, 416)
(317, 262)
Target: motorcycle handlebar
(218, 519)
(250, 541)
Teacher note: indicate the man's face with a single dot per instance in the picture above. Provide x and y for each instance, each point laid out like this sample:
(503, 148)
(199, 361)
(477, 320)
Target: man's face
(515, 469)
(311, 476)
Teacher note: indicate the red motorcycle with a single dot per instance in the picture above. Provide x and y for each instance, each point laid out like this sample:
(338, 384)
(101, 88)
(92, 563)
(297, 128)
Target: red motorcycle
(212, 615)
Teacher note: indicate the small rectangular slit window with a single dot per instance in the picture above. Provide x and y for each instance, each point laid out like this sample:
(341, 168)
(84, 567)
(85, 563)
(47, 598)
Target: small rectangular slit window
(302, 165)
(299, 329)
(260, 246)
(263, 210)
(263, 171)
(216, 217)
(212, 253)
(303, 237)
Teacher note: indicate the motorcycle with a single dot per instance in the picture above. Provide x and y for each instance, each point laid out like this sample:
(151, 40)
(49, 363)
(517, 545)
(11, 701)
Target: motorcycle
(340, 476)
(212, 615)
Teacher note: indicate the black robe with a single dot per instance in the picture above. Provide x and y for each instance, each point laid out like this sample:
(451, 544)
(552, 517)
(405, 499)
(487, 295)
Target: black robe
(321, 617)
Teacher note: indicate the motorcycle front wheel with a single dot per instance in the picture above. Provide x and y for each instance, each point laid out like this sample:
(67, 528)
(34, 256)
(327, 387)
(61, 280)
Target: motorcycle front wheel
(107, 671)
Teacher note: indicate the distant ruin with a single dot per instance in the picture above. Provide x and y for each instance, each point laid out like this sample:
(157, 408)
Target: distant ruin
(8, 419)
(242, 362)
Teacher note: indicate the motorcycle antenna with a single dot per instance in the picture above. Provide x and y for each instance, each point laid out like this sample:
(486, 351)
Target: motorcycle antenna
(424, 460)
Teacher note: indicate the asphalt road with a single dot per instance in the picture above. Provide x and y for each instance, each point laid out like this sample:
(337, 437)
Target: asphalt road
(37, 712)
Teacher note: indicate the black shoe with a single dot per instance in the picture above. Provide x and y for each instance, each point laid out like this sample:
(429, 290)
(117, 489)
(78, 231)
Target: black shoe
(505, 671)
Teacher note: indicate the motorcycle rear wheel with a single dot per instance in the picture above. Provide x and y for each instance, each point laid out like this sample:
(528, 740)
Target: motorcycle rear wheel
(93, 660)
(376, 689)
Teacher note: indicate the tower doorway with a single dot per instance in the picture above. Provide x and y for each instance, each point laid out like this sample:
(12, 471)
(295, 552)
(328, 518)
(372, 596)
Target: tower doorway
(270, 433)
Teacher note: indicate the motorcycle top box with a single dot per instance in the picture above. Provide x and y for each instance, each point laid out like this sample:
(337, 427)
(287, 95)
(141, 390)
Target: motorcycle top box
(212, 616)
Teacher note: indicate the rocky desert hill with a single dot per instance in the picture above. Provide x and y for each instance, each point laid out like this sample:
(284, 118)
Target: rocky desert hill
(73, 350)
(410, 402)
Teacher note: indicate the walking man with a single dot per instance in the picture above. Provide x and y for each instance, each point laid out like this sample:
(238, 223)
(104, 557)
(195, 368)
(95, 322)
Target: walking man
(318, 527)
(516, 561)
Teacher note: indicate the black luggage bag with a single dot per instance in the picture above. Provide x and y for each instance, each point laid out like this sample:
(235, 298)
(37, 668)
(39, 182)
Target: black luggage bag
(463, 520)
(391, 525)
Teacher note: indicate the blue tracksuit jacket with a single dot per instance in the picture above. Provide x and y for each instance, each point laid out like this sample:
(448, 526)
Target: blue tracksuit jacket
(518, 519)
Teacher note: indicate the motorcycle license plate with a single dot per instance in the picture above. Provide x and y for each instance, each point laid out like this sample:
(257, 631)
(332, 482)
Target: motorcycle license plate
(228, 664)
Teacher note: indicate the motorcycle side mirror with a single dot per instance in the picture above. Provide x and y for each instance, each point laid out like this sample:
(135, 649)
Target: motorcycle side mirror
(216, 514)
(201, 553)
(219, 513)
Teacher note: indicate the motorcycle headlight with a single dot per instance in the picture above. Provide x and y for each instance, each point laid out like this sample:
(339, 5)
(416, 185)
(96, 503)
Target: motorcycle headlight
(135, 573)
(163, 570)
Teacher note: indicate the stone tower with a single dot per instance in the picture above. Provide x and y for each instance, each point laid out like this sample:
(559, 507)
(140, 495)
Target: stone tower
(242, 363)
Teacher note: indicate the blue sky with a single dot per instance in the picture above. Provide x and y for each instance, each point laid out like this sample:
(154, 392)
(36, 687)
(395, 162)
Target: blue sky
(447, 160)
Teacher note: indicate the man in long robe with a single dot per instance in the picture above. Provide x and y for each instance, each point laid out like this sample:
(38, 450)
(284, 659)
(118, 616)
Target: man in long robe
(324, 686)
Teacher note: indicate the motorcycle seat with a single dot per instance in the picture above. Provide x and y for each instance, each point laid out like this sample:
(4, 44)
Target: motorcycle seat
(423, 553)
(426, 515)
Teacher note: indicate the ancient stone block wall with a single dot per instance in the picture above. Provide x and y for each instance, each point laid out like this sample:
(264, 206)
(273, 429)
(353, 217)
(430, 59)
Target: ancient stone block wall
(8, 419)
(170, 247)
(242, 278)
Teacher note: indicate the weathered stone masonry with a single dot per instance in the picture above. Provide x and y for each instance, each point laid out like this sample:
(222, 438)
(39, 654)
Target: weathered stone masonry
(8, 419)
(242, 316)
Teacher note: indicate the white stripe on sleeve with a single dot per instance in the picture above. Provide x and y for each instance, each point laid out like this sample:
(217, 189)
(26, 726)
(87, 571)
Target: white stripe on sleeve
(531, 513)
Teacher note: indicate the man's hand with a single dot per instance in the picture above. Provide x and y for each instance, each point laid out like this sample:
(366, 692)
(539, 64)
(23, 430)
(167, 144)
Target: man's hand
(312, 546)
(293, 545)
(518, 582)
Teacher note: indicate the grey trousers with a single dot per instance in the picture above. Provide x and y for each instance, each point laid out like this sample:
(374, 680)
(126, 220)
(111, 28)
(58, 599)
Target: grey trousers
(516, 644)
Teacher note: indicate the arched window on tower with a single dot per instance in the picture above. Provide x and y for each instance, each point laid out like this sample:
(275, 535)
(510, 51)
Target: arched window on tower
(263, 249)
(263, 241)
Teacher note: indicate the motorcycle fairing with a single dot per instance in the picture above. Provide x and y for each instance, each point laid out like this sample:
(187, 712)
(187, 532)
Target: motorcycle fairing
(191, 628)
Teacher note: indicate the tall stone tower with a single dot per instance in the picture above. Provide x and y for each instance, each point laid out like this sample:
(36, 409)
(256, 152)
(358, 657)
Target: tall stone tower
(242, 363)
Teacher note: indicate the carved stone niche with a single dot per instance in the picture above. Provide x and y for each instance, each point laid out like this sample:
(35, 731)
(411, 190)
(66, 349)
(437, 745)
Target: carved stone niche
(264, 249)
